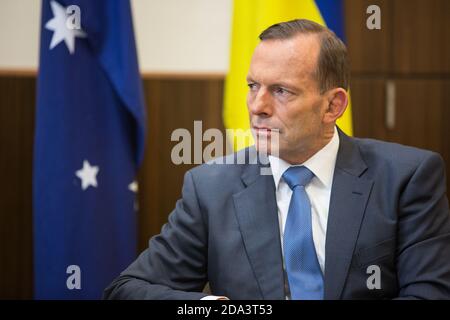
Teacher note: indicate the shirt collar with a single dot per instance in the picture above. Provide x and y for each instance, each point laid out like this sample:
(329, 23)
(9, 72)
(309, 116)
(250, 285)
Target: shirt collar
(322, 163)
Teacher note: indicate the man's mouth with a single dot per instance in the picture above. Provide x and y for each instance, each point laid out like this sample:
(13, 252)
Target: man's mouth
(261, 130)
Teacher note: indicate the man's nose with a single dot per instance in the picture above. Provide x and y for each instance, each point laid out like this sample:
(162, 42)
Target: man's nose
(262, 104)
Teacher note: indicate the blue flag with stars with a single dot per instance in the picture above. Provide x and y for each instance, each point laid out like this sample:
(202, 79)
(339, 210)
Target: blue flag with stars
(89, 142)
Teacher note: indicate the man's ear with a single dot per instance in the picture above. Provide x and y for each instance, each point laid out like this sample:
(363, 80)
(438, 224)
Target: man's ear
(337, 103)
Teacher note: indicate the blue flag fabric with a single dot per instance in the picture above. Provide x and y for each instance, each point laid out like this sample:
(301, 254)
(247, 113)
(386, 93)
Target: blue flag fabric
(89, 142)
(333, 14)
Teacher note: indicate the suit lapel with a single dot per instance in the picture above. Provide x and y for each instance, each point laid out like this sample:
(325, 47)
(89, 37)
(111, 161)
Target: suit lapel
(349, 195)
(257, 216)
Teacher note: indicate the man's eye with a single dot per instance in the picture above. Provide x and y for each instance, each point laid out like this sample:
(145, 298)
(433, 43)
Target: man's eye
(281, 91)
(252, 86)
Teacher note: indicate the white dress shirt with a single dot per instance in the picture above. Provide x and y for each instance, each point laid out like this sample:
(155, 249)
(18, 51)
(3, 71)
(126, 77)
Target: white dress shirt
(318, 190)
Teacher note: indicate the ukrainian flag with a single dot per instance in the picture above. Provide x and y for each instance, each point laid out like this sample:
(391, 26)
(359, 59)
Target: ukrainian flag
(250, 18)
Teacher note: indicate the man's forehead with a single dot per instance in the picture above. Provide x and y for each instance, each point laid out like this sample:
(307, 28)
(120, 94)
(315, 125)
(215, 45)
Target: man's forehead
(294, 55)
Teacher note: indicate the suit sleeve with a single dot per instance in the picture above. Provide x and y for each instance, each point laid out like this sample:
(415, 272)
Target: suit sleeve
(174, 264)
(423, 257)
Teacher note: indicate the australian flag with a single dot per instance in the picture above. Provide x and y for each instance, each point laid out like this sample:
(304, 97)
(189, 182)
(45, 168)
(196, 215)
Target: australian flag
(89, 141)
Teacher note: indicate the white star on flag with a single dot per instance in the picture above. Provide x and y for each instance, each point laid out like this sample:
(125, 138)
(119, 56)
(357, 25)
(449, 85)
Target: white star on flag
(60, 30)
(133, 187)
(88, 175)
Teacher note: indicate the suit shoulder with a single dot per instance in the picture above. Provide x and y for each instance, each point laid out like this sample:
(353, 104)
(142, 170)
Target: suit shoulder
(226, 167)
(389, 152)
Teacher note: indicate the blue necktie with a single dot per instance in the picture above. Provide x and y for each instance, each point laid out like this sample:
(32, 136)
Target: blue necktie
(302, 267)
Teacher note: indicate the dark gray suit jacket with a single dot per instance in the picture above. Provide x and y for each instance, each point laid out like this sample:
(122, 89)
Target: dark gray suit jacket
(388, 208)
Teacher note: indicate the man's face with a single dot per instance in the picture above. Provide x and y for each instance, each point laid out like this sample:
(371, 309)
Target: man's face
(284, 95)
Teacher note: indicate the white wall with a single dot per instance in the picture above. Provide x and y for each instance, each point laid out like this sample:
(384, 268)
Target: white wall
(183, 35)
(19, 34)
(172, 35)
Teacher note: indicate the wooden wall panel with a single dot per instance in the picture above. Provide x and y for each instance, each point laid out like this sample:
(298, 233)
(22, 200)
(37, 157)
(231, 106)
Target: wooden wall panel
(421, 36)
(413, 39)
(368, 101)
(16, 142)
(369, 50)
(417, 123)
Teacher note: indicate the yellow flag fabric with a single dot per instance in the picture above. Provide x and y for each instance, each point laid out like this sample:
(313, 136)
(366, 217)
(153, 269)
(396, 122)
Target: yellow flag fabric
(250, 18)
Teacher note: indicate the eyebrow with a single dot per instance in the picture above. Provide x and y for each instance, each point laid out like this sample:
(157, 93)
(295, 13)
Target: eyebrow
(279, 83)
(282, 84)
(285, 85)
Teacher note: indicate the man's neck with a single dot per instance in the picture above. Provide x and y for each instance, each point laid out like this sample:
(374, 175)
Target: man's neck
(303, 156)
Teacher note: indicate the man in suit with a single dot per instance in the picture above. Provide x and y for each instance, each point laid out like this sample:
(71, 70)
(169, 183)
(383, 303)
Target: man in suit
(338, 218)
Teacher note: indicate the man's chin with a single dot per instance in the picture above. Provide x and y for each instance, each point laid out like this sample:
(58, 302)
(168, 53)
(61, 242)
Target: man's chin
(263, 147)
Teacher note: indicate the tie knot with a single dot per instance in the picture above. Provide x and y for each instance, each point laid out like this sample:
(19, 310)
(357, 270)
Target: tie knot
(297, 176)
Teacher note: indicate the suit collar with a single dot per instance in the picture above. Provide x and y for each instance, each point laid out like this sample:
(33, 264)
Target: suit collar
(349, 157)
(256, 165)
(349, 195)
(257, 216)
